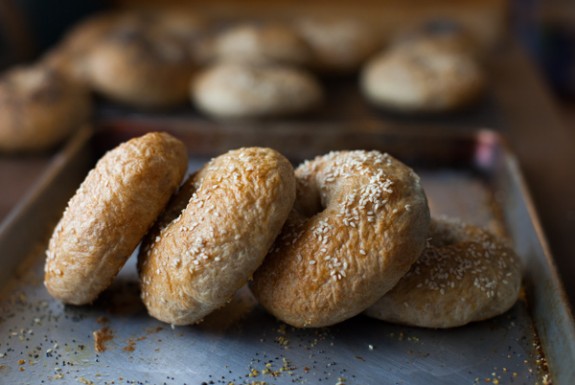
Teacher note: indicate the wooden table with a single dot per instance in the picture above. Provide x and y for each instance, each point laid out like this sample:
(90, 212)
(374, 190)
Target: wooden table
(531, 124)
(545, 148)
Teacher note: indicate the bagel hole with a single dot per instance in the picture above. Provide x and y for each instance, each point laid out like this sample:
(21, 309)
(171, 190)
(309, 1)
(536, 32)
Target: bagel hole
(309, 201)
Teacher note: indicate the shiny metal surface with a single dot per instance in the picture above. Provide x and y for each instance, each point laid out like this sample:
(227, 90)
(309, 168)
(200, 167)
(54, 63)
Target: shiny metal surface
(470, 176)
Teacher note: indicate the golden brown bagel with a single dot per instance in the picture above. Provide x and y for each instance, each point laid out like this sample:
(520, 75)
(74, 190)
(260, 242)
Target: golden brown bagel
(465, 274)
(359, 222)
(234, 90)
(215, 234)
(39, 108)
(109, 215)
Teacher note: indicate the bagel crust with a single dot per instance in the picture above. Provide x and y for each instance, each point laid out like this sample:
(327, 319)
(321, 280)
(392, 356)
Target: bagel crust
(465, 274)
(39, 108)
(215, 234)
(359, 222)
(109, 215)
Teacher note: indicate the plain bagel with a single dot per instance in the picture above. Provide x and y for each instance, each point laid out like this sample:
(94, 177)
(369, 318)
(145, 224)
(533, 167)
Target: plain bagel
(465, 274)
(215, 234)
(109, 215)
(359, 222)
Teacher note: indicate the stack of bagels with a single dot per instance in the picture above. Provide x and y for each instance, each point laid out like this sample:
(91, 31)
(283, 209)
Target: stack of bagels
(154, 59)
(345, 233)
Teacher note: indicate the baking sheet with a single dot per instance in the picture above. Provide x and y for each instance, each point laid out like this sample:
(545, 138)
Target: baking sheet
(469, 176)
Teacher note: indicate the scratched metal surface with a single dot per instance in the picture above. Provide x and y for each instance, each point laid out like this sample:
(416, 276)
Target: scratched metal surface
(42, 341)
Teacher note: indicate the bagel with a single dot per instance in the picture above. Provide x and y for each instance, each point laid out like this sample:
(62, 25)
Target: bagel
(109, 215)
(69, 55)
(214, 234)
(359, 222)
(465, 274)
(174, 23)
(422, 76)
(234, 90)
(270, 43)
(39, 108)
(445, 33)
(141, 66)
(178, 22)
(338, 45)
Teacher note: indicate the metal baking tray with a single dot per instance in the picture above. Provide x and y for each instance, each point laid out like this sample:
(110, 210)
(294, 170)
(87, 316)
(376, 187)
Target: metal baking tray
(470, 175)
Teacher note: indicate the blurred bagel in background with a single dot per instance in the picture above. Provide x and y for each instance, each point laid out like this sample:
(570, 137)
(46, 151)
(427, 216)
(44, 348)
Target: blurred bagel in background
(445, 33)
(261, 43)
(234, 90)
(339, 45)
(39, 107)
(422, 76)
(140, 66)
(70, 54)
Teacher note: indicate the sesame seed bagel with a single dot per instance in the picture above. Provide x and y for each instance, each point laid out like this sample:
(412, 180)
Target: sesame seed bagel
(359, 222)
(465, 274)
(109, 215)
(234, 91)
(39, 108)
(215, 234)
